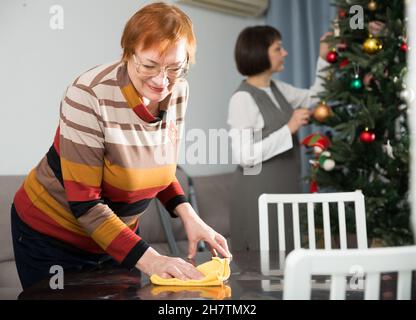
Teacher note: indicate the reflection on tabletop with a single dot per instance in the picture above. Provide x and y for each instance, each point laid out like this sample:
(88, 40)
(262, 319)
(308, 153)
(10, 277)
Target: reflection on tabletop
(254, 275)
(150, 292)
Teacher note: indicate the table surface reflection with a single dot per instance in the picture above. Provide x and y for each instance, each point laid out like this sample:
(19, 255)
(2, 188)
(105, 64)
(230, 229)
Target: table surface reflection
(254, 276)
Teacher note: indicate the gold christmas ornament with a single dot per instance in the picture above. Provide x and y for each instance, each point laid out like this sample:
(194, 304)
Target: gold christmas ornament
(372, 45)
(372, 5)
(322, 112)
(330, 75)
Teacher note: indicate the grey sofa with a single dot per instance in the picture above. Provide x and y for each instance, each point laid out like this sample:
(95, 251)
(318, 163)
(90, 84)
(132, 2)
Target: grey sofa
(9, 281)
(212, 195)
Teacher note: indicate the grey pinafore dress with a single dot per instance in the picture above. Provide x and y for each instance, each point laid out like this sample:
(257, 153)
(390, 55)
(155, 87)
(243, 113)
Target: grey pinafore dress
(280, 174)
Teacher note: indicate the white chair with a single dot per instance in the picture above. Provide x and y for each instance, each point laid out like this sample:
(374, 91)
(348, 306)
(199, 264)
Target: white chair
(311, 199)
(301, 264)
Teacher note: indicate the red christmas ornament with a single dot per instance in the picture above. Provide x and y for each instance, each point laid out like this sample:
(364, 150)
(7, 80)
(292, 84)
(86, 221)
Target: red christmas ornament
(332, 56)
(403, 47)
(313, 187)
(367, 136)
(344, 63)
(342, 13)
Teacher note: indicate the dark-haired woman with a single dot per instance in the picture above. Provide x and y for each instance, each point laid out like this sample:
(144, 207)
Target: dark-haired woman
(264, 117)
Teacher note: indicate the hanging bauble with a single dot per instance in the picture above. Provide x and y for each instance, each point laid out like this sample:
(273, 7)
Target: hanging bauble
(372, 45)
(332, 56)
(387, 148)
(367, 136)
(325, 161)
(330, 75)
(403, 47)
(335, 27)
(402, 107)
(342, 13)
(322, 112)
(404, 94)
(313, 187)
(356, 83)
(372, 5)
(407, 95)
(344, 63)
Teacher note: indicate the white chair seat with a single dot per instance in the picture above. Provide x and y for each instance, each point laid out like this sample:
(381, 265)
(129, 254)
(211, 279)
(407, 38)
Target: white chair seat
(364, 265)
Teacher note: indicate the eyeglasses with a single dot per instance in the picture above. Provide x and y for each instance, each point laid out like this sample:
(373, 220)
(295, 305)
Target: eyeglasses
(154, 70)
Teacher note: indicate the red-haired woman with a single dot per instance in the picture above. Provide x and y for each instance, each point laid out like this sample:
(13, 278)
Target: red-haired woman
(115, 150)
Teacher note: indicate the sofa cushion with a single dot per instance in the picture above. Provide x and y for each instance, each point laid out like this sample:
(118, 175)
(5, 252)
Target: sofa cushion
(8, 187)
(213, 200)
(9, 281)
(8, 274)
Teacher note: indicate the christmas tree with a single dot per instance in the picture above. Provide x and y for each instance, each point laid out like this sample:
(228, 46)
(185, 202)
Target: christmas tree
(364, 113)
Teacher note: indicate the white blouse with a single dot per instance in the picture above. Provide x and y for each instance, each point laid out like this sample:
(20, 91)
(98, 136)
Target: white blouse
(244, 113)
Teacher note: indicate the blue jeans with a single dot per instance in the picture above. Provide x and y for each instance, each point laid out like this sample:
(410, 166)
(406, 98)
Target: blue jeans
(35, 253)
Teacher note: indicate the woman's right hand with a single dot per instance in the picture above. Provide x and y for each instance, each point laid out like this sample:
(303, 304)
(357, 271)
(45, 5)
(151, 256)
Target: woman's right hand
(300, 117)
(152, 262)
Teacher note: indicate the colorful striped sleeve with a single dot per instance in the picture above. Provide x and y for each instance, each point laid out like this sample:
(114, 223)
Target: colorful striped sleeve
(81, 154)
(172, 196)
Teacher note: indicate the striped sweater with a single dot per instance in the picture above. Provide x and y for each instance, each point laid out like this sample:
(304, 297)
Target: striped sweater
(110, 157)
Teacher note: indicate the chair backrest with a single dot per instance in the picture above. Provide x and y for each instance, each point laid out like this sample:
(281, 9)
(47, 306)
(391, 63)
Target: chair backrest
(310, 199)
(301, 264)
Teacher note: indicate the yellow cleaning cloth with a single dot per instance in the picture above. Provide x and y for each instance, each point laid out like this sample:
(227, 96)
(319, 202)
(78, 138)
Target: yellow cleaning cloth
(215, 271)
(212, 292)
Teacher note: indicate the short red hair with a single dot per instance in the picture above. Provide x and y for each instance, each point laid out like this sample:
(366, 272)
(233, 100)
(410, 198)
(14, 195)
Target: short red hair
(158, 24)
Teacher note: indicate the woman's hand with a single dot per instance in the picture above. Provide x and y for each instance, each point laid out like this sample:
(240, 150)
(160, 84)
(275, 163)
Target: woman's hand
(376, 27)
(324, 46)
(197, 230)
(152, 262)
(299, 118)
